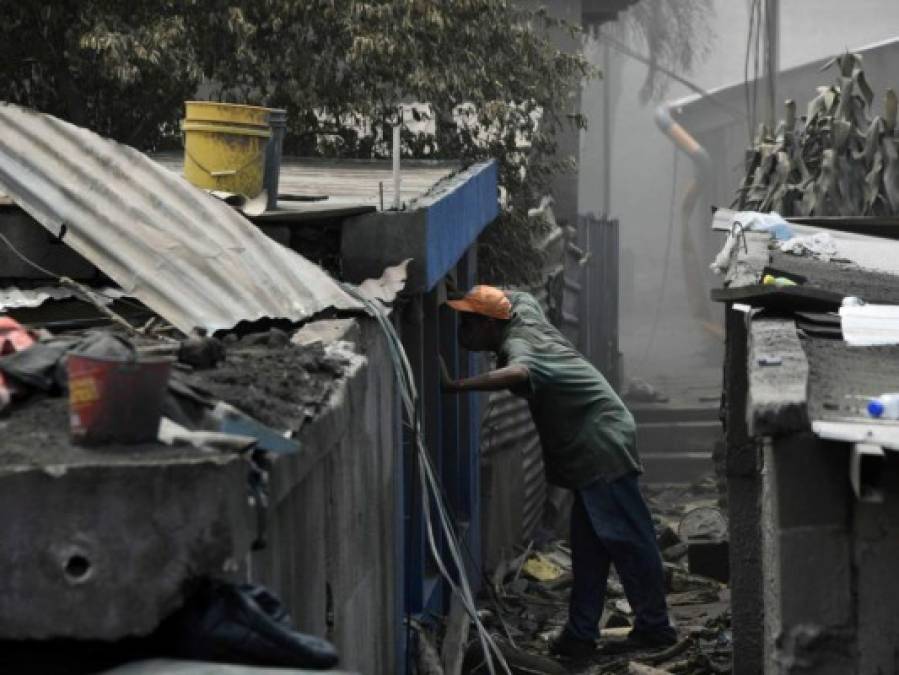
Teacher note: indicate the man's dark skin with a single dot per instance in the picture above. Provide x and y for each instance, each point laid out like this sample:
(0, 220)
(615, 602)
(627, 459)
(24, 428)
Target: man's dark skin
(479, 333)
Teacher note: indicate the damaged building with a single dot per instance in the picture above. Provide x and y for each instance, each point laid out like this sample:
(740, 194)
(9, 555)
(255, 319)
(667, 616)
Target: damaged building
(284, 458)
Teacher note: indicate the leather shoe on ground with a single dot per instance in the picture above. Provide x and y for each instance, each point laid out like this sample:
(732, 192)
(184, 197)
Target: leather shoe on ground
(569, 647)
(651, 640)
(641, 641)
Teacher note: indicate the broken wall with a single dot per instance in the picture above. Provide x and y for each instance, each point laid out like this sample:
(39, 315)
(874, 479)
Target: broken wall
(334, 549)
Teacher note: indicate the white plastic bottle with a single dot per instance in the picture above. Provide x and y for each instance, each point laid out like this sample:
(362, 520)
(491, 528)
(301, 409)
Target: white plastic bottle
(885, 406)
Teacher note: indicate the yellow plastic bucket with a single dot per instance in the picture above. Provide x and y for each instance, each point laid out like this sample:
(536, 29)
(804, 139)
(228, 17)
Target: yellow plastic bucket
(224, 146)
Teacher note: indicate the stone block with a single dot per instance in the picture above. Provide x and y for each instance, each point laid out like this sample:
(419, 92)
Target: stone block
(104, 550)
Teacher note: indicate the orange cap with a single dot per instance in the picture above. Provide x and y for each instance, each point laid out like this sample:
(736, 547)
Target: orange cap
(484, 300)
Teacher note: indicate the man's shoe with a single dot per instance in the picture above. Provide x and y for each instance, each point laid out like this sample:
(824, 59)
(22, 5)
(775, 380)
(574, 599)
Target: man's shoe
(567, 646)
(637, 641)
(658, 639)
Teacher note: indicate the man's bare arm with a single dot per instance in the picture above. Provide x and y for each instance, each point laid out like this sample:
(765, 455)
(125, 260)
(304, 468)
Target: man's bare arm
(494, 380)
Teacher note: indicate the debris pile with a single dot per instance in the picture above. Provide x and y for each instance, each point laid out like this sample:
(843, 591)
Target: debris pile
(834, 161)
(525, 603)
(267, 377)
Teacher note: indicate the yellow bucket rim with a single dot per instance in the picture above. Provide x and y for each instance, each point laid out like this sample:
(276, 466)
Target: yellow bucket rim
(248, 130)
(242, 106)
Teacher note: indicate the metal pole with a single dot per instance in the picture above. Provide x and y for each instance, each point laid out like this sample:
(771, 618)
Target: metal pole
(772, 62)
(396, 165)
(606, 131)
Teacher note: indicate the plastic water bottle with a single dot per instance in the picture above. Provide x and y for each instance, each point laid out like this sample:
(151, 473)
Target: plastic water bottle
(885, 406)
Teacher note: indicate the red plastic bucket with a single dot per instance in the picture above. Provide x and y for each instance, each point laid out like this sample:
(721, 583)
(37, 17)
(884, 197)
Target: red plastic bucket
(114, 400)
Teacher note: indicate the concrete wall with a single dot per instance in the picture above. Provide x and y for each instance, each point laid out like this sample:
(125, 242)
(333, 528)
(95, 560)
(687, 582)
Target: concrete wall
(810, 614)
(333, 553)
(742, 469)
(832, 559)
(875, 560)
(812, 567)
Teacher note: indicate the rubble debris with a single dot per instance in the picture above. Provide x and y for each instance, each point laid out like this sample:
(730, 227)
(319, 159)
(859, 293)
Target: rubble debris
(634, 668)
(527, 614)
(428, 659)
(540, 568)
(675, 552)
(457, 629)
(710, 559)
(201, 352)
(666, 536)
(281, 387)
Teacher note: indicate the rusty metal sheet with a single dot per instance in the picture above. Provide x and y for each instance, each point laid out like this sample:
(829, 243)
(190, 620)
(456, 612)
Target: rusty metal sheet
(186, 255)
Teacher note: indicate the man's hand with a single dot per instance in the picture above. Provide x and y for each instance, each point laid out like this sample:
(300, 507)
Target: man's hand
(494, 380)
(447, 383)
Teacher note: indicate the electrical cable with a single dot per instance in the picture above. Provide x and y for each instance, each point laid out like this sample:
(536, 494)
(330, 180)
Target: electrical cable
(757, 59)
(668, 242)
(749, 120)
(60, 278)
(753, 50)
(430, 485)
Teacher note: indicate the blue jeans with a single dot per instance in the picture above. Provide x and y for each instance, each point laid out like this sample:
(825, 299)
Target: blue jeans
(611, 524)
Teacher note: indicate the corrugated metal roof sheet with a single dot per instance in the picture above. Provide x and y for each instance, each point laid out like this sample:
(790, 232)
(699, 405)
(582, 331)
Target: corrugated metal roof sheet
(186, 255)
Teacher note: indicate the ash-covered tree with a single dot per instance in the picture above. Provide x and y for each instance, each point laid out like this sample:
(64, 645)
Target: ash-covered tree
(487, 80)
(122, 69)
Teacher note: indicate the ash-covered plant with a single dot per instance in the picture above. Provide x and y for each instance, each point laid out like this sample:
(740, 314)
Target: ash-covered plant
(836, 160)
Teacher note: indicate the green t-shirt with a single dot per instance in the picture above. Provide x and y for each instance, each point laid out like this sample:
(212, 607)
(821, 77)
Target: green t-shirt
(586, 431)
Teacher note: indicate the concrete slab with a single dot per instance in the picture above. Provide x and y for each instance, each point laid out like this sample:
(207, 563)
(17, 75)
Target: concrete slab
(842, 378)
(101, 544)
(843, 278)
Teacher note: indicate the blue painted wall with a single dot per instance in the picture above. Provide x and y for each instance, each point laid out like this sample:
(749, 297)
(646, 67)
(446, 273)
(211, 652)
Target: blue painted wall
(454, 220)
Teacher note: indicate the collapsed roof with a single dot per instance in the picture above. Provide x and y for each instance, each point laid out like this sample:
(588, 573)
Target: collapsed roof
(186, 255)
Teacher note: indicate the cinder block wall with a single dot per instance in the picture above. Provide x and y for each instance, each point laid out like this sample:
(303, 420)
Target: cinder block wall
(332, 553)
(742, 469)
(810, 612)
(875, 562)
(813, 569)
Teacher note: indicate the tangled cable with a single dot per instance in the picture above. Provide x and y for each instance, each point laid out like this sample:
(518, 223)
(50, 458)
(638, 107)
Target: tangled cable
(430, 486)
